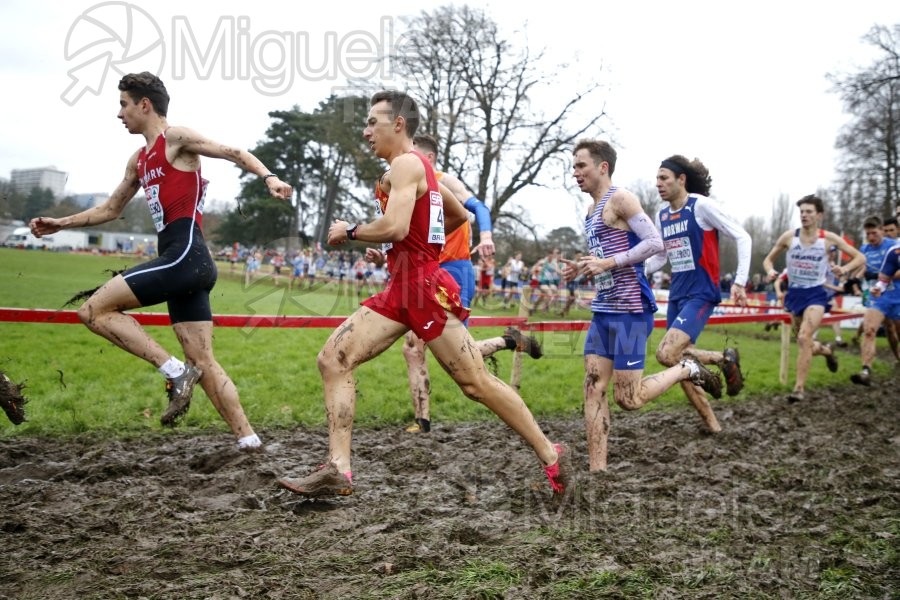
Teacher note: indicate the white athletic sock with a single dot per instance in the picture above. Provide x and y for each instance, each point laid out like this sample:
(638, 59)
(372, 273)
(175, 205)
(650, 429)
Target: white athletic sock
(172, 368)
(249, 441)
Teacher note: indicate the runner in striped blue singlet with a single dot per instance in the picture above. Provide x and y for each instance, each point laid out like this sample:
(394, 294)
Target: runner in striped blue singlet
(620, 236)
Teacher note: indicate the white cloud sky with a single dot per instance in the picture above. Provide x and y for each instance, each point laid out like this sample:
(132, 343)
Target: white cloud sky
(741, 86)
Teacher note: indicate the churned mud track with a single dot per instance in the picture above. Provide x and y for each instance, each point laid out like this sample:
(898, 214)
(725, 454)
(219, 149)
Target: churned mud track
(799, 500)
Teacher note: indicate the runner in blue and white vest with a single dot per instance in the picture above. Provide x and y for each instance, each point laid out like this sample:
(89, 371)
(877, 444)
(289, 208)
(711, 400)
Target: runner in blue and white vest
(620, 236)
(807, 300)
(690, 225)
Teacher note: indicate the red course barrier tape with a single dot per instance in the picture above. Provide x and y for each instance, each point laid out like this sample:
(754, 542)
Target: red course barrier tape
(43, 315)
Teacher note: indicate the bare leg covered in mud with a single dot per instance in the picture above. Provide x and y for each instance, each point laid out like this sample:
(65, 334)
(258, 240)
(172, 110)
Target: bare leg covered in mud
(102, 314)
(467, 369)
(631, 391)
(365, 335)
(808, 346)
(675, 345)
(362, 337)
(420, 380)
(195, 338)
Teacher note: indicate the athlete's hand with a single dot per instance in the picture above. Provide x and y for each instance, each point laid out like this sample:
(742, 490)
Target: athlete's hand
(279, 189)
(374, 255)
(486, 245)
(591, 265)
(41, 226)
(337, 233)
(738, 294)
(570, 269)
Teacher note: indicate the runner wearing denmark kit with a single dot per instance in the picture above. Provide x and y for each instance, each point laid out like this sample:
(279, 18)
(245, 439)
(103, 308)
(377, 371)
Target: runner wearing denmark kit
(168, 168)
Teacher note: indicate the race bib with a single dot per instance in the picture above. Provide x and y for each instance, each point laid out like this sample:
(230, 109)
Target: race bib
(680, 255)
(156, 209)
(436, 219)
(604, 281)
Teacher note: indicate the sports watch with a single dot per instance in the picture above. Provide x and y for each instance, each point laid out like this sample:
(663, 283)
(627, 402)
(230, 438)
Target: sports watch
(351, 231)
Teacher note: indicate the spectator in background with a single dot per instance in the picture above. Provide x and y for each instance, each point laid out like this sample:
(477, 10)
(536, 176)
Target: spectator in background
(514, 267)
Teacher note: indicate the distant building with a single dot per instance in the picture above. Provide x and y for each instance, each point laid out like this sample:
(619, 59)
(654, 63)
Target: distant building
(51, 178)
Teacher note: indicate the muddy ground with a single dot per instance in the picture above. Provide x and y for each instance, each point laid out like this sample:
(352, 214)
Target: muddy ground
(790, 500)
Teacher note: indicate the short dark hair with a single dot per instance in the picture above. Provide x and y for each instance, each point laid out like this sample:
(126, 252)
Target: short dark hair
(696, 175)
(426, 142)
(600, 151)
(891, 221)
(149, 86)
(814, 200)
(402, 105)
(872, 222)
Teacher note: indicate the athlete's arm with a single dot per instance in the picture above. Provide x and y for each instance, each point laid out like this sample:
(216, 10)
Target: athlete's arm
(407, 173)
(857, 258)
(184, 146)
(627, 206)
(658, 260)
(455, 213)
(712, 215)
(769, 261)
(102, 213)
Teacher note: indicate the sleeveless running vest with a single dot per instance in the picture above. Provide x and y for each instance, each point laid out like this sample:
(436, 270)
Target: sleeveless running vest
(171, 194)
(623, 289)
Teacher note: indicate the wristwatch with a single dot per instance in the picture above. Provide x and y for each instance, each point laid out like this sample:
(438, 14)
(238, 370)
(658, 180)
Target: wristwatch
(351, 231)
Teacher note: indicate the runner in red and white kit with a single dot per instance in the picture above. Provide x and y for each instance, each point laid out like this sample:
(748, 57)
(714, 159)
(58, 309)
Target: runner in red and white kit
(421, 297)
(168, 168)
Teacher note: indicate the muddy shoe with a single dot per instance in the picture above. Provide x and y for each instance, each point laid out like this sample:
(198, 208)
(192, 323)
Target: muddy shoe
(831, 359)
(324, 481)
(420, 426)
(524, 343)
(796, 396)
(180, 390)
(861, 378)
(560, 474)
(731, 368)
(11, 399)
(703, 377)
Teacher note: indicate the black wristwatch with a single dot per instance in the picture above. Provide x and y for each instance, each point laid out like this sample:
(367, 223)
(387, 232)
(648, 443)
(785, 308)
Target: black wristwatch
(351, 231)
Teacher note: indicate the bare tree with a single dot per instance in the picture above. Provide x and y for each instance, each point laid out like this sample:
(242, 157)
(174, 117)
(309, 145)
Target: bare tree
(870, 143)
(476, 90)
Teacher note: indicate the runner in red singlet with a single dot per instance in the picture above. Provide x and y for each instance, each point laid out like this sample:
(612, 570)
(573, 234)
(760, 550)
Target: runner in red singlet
(168, 168)
(420, 297)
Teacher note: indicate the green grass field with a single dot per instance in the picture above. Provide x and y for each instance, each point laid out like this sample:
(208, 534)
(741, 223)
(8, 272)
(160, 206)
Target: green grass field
(77, 381)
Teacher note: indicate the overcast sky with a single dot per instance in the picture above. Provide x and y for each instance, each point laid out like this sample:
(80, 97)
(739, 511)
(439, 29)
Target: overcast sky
(741, 86)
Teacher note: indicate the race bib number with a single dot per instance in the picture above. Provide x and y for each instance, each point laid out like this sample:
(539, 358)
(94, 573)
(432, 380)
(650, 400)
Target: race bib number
(680, 255)
(436, 219)
(156, 209)
(604, 281)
